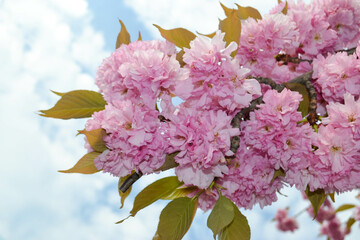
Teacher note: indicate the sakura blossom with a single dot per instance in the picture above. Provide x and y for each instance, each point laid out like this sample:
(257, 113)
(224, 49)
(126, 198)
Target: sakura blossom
(284, 222)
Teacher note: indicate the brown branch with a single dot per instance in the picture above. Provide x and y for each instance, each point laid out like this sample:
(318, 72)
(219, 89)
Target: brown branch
(244, 114)
(285, 58)
(349, 51)
(305, 80)
(130, 181)
(271, 83)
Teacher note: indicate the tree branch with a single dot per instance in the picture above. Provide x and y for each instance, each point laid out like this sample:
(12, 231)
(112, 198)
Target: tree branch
(130, 181)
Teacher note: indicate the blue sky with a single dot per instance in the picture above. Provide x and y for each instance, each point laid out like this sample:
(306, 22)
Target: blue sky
(58, 44)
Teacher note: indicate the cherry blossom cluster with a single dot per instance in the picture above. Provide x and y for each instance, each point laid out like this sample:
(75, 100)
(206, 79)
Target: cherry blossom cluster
(278, 146)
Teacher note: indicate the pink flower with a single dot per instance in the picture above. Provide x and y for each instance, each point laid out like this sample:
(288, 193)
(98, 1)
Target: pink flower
(203, 139)
(134, 138)
(142, 71)
(249, 180)
(219, 82)
(285, 223)
(335, 75)
(336, 160)
(262, 40)
(332, 229)
(206, 56)
(274, 132)
(343, 17)
(357, 213)
(345, 115)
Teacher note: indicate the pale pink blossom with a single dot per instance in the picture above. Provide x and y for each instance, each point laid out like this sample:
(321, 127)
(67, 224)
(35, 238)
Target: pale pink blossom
(335, 165)
(343, 17)
(250, 180)
(345, 115)
(284, 222)
(335, 75)
(142, 72)
(262, 40)
(134, 139)
(203, 139)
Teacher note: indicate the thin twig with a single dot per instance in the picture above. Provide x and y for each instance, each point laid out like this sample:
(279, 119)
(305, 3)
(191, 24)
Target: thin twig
(130, 181)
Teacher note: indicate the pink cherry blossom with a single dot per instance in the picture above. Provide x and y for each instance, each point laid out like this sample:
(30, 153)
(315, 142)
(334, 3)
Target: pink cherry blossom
(335, 75)
(134, 139)
(343, 17)
(142, 71)
(284, 222)
(250, 180)
(203, 139)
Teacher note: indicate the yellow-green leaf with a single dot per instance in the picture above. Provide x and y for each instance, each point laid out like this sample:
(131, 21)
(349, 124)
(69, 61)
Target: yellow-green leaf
(58, 93)
(332, 196)
(176, 218)
(155, 191)
(181, 37)
(221, 215)
(285, 9)
(238, 229)
(278, 173)
(96, 139)
(123, 36)
(344, 207)
(246, 12)
(140, 37)
(210, 35)
(231, 26)
(316, 198)
(123, 195)
(349, 223)
(228, 11)
(85, 165)
(179, 192)
(179, 58)
(305, 103)
(76, 104)
(169, 162)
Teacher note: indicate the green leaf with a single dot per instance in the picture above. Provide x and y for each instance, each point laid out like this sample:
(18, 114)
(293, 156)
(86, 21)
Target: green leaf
(155, 191)
(349, 223)
(278, 173)
(238, 229)
(76, 104)
(316, 198)
(58, 93)
(210, 35)
(221, 215)
(332, 196)
(169, 162)
(85, 165)
(123, 36)
(345, 207)
(179, 192)
(231, 26)
(140, 37)
(228, 11)
(179, 58)
(181, 37)
(246, 12)
(123, 195)
(305, 103)
(285, 9)
(95, 138)
(176, 218)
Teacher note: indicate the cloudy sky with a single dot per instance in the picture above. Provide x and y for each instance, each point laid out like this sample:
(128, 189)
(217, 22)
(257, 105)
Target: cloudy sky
(57, 45)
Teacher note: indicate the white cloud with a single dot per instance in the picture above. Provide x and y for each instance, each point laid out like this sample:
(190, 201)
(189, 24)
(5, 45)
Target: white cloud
(49, 45)
(199, 15)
